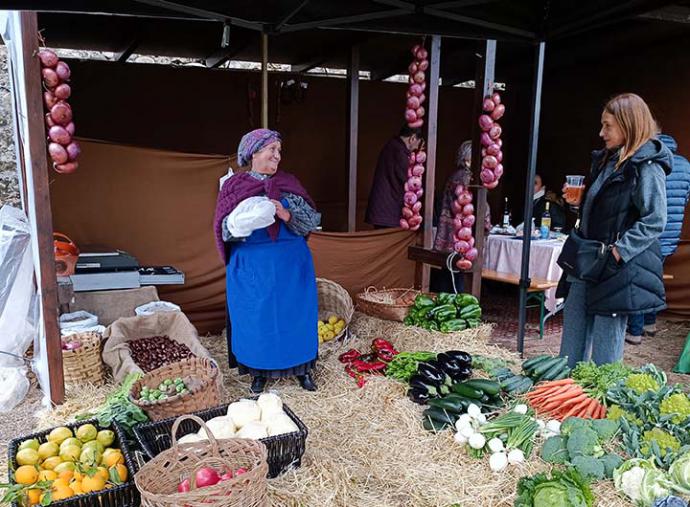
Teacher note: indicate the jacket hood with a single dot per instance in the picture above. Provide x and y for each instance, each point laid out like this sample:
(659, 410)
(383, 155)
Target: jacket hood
(653, 151)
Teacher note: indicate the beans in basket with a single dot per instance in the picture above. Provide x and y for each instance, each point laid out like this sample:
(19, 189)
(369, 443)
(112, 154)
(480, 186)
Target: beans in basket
(165, 390)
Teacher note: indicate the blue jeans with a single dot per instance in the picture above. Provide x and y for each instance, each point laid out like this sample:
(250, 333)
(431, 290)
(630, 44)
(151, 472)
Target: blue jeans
(597, 337)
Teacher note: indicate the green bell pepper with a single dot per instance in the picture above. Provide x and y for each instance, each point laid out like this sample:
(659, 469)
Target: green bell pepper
(472, 323)
(433, 326)
(471, 312)
(445, 298)
(462, 300)
(453, 326)
(443, 313)
(422, 301)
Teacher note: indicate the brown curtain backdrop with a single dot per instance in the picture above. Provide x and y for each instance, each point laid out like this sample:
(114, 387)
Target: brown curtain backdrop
(678, 265)
(358, 260)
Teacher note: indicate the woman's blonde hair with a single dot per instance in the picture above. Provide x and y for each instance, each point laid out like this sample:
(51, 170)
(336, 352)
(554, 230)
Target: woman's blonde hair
(635, 120)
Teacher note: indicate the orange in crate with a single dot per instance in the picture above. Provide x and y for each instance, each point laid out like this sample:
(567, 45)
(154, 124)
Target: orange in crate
(66, 254)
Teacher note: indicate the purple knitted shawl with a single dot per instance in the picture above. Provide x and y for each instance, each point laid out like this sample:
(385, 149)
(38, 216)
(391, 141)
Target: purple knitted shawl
(242, 186)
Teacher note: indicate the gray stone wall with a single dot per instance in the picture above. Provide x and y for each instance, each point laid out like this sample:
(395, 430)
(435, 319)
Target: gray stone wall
(9, 187)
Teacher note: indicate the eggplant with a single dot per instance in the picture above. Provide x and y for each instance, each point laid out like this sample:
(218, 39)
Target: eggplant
(455, 369)
(431, 372)
(461, 356)
(435, 389)
(419, 396)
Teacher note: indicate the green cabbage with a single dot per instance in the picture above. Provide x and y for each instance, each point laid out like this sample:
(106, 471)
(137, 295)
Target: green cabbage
(680, 474)
(641, 481)
(562, 489)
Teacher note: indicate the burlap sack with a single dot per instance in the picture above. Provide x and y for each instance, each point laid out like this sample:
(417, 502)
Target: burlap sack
(174, 325)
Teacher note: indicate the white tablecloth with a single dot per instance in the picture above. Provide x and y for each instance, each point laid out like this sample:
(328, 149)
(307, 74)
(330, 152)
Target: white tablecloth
(504, 254)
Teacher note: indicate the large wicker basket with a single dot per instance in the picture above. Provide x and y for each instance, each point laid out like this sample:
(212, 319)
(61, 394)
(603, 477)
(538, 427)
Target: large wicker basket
(387, 304)
(84, 365)
(204, 395)
(158, 479)
(334, 300)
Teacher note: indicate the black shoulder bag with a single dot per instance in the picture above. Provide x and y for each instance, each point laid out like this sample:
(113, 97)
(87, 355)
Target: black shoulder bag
(584, 259)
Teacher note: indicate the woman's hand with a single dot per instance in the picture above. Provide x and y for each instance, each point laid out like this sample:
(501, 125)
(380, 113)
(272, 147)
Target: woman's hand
(572, 202)
(281, 212)
(616, 255)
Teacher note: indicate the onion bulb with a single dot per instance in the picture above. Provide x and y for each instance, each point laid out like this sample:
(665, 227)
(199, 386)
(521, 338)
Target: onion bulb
(468, 221)
(73, 150)
(48, 58)
(498, 462)
(422, 54)
(417, 206)
(61, 113)
(49, 99)
(471, 254)
(496, 97)
(423, 65)
(497, 113)
(59, 135)
(485, 122)
(493, 149)
(418, 170)
(416, 124)
(421, 157)
(404, 224)
(464, 265)
(407, 212)
(486, 139)
(465, 233)
(495, 131)
(461, 246)
(62, 70)
(489, 162)
(410, 198)
(468, 209)
(416, 90)
(413, 102)
(50, 77)
(67, 168)
(58, 153)
(410, 115)
(498, 170)
(63, 91)
(488, 105)
(419, 77)
(412, 69)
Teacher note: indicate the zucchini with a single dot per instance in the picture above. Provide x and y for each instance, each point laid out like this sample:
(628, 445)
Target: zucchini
(523, 386)
(452, 403)
(488, 386)
(531, 363)
(557, 368)
(467, 391)
(433, 425)
(542, 367)
(565, 373)
(502, 374)
(439, 415)
(509, 383)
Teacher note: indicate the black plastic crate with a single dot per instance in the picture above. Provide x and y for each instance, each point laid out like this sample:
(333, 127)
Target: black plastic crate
(123, 495)
(284, 450)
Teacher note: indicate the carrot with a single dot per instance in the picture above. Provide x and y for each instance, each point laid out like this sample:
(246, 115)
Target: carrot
(591, 409)
(556, 382)
(576, 408)
(561, 397)
(572, 401)
(552, 391)
(602, 412)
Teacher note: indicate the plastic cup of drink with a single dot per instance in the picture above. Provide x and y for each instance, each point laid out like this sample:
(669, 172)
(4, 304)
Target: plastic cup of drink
(574, 185)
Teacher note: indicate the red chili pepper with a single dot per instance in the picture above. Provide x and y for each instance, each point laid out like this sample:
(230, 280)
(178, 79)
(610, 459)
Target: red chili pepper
(380, 344)
(357, 376)
(363, 366)
(385, 355)
(349, 356)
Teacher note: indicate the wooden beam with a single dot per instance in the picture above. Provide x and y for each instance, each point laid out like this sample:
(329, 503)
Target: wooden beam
(432, 138)
(123, 55)
(264, 80)
(352, 137)
(38, 209)
(317, 61)
(290, 15)
(397, 66)
(222, 55)
(344, 20)
(202, 13)
(670, 14)
(484, 86)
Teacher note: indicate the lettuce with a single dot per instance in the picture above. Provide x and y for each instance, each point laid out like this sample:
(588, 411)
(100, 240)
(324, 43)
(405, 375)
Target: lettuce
(562, 489)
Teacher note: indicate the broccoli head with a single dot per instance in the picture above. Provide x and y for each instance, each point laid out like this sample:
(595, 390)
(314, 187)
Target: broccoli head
(590, 468)
(605, 428)
(584, 442)
(571, 423)
(554, 450)
(611, 462)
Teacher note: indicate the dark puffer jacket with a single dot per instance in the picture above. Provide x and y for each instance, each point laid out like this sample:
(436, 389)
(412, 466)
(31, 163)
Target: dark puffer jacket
(677, 191)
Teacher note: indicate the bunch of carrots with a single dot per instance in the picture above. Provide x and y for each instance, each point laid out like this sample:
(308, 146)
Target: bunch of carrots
(559, 399)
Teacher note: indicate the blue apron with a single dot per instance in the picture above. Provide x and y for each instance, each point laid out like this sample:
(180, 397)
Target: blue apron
(272, 301)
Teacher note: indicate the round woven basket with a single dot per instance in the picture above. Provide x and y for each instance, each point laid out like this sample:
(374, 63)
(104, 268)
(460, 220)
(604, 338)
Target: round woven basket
(84, 365)
(387, 304)
(334, 300)
(158, 479)
(203, 395)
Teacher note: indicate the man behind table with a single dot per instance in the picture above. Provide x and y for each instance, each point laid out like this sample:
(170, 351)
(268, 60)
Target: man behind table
(386, 196)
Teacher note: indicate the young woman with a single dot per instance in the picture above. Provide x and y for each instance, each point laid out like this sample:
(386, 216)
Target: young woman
(623, 207)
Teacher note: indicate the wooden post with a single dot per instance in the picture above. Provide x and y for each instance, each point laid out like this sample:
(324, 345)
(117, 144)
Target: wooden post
(264, 80)
(352, 133)
(484, 85)
(37, 202)
(432, 135)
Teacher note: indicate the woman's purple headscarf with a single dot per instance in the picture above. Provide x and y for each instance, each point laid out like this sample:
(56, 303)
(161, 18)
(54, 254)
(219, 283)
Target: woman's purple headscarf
(253, 142)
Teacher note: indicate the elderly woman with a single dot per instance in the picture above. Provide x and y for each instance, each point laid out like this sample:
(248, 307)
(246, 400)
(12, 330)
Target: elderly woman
(443, 242)
(271, 286)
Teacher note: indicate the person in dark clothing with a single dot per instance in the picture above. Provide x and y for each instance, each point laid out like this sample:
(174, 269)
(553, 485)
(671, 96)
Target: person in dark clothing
(386, 197)
(623, 207)
(677, 192)
(541, 197)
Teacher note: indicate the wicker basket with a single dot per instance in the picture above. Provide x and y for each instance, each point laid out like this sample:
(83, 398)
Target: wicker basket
(158, 479)
(284, 451)
(204, 395)
(84, 365)
(122, 495)
(334, 300)
(387, 304)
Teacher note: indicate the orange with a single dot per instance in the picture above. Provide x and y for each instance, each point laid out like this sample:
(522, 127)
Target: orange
(59, 493)
(103, 472)
(51, 463)
(66, 474)
(95, 483)
(113, 458)
(33, 496)
(121, 471)
(26, 474)
(76, 487)
(47, 475)
(78, 476)
(60, 483)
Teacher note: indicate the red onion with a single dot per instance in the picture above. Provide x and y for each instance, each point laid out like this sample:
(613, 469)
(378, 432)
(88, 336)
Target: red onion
(464, 265)
(49, 99)
(423, 65)
(410, 198)
(465, 233)
(483, 152)
(50, 77)
(468, 209)
(408, 94)
(416, 48)
(406, 186)
(410, 115)
(465, 198)
(488, 105)
(421, 157)
(59, 135)
(415, 221)
(498, 112)
(422, 54)
(412, 159)
(415, 183)
(419, 193)
(416, 90)
(423, 85)
(461, 246)
(407, 212)
(491, 186)
(63, 91)
(412, 69)
(495, 131)
(404, 224)
(418, 170)
(457, 223)
(67, 168)
(487, 176)
(471, 242)
(70, 128)
(498, 171)
(496, 97)
(419, 77)
(459, 190)
(409, 175)
(486, 139)
(468, 221)
(63, 71)
(422, 98)
(206, 476)
(471, 254)
(489, 162)
(49, 121)
(493, 149)
(73, 150)
(499, 142)
(413, 102)
(58, 153)
(499, 156)
(61, 113)
(417, 206)
(48, 58)
(456, 206)
(420, 112)
(416, 124)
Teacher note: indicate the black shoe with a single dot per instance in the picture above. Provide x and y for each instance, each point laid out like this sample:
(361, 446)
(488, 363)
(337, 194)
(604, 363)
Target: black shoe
(306, 382)
(258, 385)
